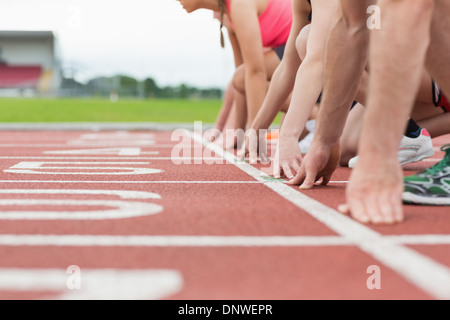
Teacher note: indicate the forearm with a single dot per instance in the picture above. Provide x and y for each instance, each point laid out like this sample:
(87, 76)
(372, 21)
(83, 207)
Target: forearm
(344, 64)
(279, 90)
(308, 85)
(256, 89)
(240, 111)
(225, 111)
(222, 118)
(387, 103)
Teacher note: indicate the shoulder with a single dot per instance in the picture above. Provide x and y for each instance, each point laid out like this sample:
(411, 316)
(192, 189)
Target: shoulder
(243, 4)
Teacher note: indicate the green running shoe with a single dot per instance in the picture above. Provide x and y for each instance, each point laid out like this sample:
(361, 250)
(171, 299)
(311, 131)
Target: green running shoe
(432, 186)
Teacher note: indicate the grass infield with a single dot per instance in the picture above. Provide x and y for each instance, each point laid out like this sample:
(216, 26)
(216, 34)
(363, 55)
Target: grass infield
(103, 110)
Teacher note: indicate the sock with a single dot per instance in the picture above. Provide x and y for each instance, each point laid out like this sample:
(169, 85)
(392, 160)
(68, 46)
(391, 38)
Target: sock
(412, 130)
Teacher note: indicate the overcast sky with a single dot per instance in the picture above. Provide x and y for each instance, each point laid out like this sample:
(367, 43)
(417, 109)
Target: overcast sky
(141, 38)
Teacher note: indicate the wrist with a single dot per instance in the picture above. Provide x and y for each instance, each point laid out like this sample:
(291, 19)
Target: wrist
(287, 132)
(330, 140)
(327, 135)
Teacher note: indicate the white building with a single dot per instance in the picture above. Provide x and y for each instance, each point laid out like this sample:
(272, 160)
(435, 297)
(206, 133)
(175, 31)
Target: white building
(29, 63)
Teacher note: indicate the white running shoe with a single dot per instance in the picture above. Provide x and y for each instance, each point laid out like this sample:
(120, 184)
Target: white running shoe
(410, 150)
(306, 142)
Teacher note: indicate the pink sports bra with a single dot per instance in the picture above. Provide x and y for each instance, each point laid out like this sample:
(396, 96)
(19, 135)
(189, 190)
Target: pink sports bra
(275, 22)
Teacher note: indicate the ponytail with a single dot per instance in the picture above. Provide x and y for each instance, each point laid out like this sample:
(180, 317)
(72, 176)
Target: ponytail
(222, 12)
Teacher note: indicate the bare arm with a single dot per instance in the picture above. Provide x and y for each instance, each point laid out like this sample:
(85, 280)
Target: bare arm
(284, 77)
(245, 18)
(225, 111)
(345, 60)
(309, 80)
(238, 60)
(307, 88)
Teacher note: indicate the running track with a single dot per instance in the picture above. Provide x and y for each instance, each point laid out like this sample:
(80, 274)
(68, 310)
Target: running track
(110, 215)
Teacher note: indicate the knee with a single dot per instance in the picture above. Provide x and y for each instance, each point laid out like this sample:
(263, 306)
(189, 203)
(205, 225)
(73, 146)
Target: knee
(238, 80)
(348, 149)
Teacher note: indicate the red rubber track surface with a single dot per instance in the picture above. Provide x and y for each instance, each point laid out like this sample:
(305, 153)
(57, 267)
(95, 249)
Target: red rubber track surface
(202, 203)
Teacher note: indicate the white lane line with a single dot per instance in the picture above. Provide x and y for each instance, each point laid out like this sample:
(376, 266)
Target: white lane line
(55, 145)
(129, 151)
(418, 269)
(99, 127)
(118, 209)
(123, 194)
(131, 182)
(112, 158)
(171, 241)
(121, 209)
(51, 167)
(94, 284)
(422, 239)
(14, 240)
(125, 135)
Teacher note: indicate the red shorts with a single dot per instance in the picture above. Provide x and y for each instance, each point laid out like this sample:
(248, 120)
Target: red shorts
(439, 98)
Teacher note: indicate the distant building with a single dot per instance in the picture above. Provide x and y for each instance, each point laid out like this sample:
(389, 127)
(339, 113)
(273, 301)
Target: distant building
(29, 63)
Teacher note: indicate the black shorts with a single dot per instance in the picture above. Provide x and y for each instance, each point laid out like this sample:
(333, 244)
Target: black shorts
(439, 99)
(280, 51)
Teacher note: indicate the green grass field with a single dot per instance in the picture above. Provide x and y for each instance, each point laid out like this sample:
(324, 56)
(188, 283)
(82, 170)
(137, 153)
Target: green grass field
(103, 110)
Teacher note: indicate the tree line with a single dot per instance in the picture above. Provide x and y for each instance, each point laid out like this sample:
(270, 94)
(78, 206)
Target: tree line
(126, 86)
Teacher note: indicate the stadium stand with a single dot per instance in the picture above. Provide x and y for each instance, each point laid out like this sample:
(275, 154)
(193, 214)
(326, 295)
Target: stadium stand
(29, 63)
